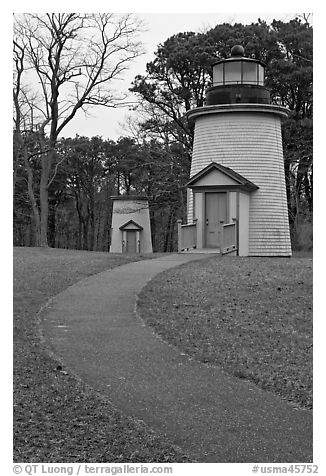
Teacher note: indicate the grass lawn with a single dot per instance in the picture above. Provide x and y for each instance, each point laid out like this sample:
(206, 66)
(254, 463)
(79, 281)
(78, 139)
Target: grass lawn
(250, 316)
(56, 417)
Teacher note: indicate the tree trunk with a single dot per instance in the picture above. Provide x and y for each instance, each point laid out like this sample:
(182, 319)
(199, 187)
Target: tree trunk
(30, 189)
(44, 194)
(91, 223)
(153, 229)
(106, 237)
(167, 231)
(172, 231)
(85, 233)
(52, 224)
(99, 225)
(79, 238)
(80, 219)
(31, 195)
(287, 171)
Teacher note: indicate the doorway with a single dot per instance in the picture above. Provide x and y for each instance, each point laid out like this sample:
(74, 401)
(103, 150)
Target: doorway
(131, 242)
(215, 212)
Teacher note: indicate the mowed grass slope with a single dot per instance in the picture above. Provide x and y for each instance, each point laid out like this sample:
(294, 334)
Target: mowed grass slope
(56, 417)
(250, 316)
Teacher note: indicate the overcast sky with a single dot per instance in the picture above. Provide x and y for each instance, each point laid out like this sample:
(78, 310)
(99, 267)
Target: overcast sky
(160, 26)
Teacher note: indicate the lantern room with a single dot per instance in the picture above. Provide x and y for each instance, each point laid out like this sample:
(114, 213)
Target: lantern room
(238, 80)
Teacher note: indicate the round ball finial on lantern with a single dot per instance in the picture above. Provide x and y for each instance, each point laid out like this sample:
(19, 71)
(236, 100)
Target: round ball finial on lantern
(237, 50)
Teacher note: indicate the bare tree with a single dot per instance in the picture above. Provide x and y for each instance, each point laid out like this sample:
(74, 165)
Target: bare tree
(305, 17)
(24, 135)
(64, 62)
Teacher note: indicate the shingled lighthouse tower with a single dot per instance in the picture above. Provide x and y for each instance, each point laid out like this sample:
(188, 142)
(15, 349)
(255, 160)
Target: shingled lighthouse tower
(237, 197)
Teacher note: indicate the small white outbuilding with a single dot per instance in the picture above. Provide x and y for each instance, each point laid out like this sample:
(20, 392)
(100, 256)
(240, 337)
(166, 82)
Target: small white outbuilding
(130, 228)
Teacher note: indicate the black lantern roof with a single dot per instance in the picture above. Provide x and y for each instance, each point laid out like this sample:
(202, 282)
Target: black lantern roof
(238, 54)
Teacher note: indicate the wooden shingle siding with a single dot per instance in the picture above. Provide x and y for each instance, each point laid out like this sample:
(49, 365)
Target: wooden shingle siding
(250, 143)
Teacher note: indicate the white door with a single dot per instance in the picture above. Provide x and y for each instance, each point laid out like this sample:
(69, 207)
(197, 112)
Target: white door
(131, 241)
(215, 212)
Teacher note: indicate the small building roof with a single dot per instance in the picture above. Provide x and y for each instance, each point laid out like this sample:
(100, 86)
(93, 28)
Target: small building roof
(131, 225)
(241, 181)
(135, 198)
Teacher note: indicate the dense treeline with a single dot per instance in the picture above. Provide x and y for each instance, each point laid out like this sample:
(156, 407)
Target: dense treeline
(155, 158)
(90, 172)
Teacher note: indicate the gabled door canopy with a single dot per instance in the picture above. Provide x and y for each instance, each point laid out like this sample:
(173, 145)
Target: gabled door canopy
(131, 225)
(237, 182)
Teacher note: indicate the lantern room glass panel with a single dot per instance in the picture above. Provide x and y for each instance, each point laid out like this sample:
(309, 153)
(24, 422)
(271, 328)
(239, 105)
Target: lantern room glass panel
(249, 72)
(260, 75)
(232, 72)
(218, 74)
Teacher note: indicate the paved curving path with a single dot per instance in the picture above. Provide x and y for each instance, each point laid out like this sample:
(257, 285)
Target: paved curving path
(92, 326)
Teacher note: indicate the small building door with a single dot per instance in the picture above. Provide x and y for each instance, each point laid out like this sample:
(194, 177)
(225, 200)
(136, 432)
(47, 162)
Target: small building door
(215, 212)
(131, 242)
